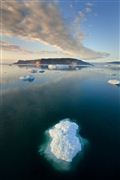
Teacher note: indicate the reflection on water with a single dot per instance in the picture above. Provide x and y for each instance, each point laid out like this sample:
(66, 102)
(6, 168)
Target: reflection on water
(29, 108)
(11, 75)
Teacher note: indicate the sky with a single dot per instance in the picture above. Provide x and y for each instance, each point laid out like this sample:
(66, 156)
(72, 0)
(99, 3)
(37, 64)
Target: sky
(82, 29)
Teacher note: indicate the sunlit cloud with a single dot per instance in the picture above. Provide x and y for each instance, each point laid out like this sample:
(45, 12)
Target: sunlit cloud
(81, 17)
(43, 21)
(6, 46)
(14, 52)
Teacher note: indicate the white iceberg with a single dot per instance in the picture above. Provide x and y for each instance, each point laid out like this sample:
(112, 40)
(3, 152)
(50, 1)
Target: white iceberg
(27, 78)
(33, 70)
(41, 71)
(51, 67)
(58, 67)
(64, 144)
(114, 82)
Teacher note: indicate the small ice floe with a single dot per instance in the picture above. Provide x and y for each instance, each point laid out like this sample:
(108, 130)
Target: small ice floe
(41, 71)
(33, 70)
(77, 68)
(27, 78)
(114, 82)
(52, 67)
(64, 144)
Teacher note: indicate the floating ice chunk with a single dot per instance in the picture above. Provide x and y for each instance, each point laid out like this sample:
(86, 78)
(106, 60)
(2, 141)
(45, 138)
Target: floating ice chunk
(51, 67)
(58, 67)
(33, 70)
(65, 144)
(114, 82)
(27, 78)
(41, 71)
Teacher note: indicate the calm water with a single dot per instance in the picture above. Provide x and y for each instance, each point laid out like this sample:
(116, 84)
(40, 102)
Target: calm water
(29, 108)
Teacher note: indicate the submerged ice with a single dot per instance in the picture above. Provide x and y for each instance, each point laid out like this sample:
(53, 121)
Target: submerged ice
(63, 144)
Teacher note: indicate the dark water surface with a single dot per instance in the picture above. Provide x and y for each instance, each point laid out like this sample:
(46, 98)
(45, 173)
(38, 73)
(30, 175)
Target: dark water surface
(29, 108)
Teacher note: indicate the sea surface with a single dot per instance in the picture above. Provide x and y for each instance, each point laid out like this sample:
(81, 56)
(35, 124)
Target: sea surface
(28, 109)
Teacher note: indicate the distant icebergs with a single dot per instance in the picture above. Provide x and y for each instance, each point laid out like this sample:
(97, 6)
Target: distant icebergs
(41, 71)
(114, 82)
(36, 70)
(27, 78)
(64, 144)
(58, 67)
(33, 70)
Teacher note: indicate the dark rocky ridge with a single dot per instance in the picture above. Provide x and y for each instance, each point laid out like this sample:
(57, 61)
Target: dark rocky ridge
(114, 62)
(69, 61)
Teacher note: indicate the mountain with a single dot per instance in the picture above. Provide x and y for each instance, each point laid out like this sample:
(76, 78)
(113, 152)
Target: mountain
(47, 61)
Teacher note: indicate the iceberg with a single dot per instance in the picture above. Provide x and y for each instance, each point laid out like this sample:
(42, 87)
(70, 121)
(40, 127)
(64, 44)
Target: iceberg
(64, 144)
(51, 67)
(41, 71)
(33, 70)
(58, 67)
(114, 82)
(27, 78)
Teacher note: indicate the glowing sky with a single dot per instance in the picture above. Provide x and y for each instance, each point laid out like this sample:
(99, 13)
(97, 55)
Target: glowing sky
(87, 30)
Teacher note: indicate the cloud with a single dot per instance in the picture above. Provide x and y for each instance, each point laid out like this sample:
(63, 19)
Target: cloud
(42, 21)
(89, 4)
(6, 46)
(81, 17)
